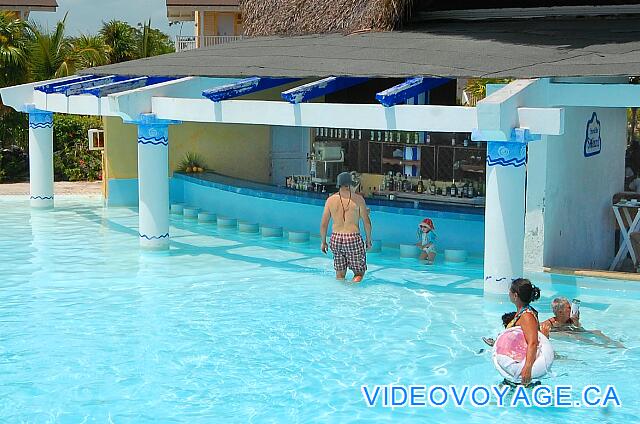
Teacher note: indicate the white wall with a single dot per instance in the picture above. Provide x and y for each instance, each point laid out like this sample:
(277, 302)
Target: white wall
(578, 228)
(535, 198)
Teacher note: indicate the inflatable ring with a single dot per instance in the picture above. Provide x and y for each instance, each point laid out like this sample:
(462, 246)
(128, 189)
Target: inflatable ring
(510, 351)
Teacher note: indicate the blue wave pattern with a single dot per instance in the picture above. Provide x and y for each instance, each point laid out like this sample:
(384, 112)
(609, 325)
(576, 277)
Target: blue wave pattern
(155, 135)
(154, 141)
(153, 237)
(39, 120)
(497, 280)
(41, 197)
(506, 154)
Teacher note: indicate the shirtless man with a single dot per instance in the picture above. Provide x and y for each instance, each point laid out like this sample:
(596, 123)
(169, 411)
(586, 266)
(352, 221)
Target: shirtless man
(346, 209)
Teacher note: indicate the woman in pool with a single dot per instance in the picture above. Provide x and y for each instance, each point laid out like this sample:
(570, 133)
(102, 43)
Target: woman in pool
(565, 325)
(521, 294)
(562, 318)
(427, 241)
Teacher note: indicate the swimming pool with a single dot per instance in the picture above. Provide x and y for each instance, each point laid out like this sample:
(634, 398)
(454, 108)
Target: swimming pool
(230, 328)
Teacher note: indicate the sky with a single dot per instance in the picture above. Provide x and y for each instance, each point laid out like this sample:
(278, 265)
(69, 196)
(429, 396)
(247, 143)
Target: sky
(86, 16)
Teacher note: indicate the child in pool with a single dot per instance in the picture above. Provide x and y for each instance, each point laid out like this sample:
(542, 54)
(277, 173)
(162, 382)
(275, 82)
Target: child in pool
(427, 241)
(506, 319)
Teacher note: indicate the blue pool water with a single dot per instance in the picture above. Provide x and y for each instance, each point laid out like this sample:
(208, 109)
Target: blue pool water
(230, 328)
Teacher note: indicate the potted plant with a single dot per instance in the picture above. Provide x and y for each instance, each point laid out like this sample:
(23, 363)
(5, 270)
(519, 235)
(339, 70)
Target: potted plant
(192, 163)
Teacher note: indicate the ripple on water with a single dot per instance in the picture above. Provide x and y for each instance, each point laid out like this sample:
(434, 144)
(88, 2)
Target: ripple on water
(227, 327)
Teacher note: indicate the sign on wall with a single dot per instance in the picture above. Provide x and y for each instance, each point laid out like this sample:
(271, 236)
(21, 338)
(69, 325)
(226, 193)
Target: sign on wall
(592, 141)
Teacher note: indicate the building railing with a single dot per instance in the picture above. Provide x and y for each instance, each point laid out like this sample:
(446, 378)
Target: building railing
(191, 42)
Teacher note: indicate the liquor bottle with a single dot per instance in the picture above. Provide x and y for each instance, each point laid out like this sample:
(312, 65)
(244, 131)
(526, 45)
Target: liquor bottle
(433, 189)
(392, 183)
(466, 142)
(428, 139)
(379, 135)
(420, 188)
(453, 141)
(472, 192)
(405, 184)
(454, 190)
(372, 136)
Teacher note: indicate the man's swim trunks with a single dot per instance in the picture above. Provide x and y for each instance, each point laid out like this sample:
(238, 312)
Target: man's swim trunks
(348, 252)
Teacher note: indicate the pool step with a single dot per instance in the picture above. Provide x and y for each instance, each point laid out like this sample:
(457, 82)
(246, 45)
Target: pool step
(298, 236)
(409, 251)
(271, 231)
(177, 208)
(248, 227)
(225, 222)
(455, 256)
(207, 217)
(190, 213)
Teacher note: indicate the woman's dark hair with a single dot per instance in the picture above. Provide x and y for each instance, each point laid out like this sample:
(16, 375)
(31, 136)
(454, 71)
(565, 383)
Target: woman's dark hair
(526, 291)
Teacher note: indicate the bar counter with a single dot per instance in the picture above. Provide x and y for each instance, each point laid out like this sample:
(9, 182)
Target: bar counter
(394, 222)
(404, 203)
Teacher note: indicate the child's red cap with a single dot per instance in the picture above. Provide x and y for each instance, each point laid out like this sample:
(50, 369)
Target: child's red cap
(429, 222)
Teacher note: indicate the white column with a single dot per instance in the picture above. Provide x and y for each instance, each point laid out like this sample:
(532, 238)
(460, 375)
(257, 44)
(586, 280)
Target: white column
(504, 215)
(153, 182)
(41, 158)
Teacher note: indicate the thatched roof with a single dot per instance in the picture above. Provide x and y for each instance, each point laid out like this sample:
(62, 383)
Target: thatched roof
(297, 17)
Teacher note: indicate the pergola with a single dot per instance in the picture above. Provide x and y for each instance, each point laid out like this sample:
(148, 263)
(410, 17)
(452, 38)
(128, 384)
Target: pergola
(522, 112)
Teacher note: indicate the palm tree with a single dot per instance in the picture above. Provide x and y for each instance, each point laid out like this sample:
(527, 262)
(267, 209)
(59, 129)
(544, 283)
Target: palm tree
(91, 51)
(151, 41)
(52, 53)
(14, 55)
(120, 38)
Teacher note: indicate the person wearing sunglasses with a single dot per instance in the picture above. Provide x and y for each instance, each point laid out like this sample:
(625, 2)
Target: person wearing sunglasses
(427, 241)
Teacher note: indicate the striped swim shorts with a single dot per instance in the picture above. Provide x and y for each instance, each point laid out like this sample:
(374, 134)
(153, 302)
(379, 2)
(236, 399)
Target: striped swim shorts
(348, 252)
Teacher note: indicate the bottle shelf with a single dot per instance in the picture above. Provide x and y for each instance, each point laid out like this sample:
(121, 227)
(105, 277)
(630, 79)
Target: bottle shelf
(397, 161)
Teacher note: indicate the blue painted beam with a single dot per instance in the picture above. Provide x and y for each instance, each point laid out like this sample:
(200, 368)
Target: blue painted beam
(79, 87)
(320, 88)
(400, 93)
(51, 87)
(115, 87)
(244, 86)
(125, 85)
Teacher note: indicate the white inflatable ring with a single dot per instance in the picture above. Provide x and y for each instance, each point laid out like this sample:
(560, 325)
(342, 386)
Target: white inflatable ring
(510, 351)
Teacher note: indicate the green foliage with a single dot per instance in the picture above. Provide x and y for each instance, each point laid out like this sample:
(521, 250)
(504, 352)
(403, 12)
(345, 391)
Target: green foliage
(30, 53)
(14, 53)
(477, 87)
(72, 159)
(120, 37)
(14, 134)
(191, 160)
(152, 42)
(51, 53)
